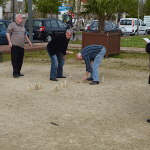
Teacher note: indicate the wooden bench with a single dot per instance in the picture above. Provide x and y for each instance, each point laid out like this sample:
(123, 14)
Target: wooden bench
(1, 55)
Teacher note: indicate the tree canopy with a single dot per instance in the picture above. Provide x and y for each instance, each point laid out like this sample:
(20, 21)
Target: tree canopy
(3, 3)
(47, 6)
(103, 9)
(146, 7)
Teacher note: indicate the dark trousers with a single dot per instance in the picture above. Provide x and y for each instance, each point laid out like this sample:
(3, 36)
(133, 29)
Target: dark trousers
(17, 54)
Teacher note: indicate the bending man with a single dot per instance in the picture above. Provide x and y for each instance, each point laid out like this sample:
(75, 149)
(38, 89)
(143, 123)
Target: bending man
(92, 55)
(56, 49)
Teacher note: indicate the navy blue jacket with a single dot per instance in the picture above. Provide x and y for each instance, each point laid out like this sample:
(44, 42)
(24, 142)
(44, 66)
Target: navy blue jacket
(58, 44)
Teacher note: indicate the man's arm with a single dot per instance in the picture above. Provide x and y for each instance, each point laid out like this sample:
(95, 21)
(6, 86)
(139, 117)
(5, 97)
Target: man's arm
(85, 77)
(9, 41)
(26, 37)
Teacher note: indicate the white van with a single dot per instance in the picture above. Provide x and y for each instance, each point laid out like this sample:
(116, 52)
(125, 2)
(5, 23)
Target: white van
(129, 26)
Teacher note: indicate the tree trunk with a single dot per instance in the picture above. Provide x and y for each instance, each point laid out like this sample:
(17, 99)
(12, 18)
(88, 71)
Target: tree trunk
(101, 24)
(138, 20)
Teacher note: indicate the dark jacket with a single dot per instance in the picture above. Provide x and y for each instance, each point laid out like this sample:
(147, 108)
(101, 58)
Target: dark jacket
(58, 44)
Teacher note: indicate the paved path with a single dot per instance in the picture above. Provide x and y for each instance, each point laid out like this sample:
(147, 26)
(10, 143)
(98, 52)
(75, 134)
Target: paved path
(42, 46)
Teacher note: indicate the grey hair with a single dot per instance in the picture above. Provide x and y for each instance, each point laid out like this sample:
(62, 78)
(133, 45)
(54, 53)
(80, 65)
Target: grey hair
(18, 15)
(70, 30)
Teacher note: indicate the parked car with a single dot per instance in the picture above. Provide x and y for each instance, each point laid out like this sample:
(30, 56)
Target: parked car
(109, 26)
(87, 27)
(129, 26)
(3, 29)
(46, 29)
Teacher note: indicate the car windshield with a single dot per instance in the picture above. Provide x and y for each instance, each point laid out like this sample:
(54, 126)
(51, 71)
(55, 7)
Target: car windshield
(126, 22)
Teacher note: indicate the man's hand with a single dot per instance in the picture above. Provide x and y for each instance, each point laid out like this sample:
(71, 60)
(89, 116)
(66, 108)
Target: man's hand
(64, 57)
(30, 44)
(67, 52)
(84, 78)
(10, 44)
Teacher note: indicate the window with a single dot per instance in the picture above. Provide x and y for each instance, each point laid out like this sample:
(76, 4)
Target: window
(142, 23)
(8, 23)
(61, 24)
(37, 23)
(27, 23)
(2, 25)
(54, 24)
(126, 22)
(47, 23)
(114, 25)
(95, 24)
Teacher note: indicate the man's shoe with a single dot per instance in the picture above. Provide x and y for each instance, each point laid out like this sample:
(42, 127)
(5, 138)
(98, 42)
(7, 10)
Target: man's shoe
(94, 83)
(148, 120)
(16, 76)
(61, 77)
(89, 79)
(53, 79)
(21, 74)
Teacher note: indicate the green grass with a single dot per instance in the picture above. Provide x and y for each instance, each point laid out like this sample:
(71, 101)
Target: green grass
(132, 41)
(75, 42)
(43, 56)
(130, 55)
(135, 41)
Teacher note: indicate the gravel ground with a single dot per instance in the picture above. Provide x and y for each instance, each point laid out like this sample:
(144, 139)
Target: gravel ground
(111, 115)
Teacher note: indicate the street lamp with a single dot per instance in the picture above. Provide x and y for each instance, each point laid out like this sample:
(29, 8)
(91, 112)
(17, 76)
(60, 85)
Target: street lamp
(142, 11)
(13, 10)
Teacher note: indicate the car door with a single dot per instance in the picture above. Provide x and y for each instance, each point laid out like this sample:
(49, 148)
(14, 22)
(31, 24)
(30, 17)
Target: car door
(141, 27)
(3, 30)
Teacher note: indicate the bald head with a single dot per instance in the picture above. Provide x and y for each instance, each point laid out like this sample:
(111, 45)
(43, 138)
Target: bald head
(79, 56)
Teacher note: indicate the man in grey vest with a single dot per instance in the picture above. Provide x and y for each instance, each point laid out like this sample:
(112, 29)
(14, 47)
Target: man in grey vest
(16, 35)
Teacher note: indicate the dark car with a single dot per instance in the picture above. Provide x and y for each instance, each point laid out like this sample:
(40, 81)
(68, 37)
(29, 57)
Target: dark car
(109, 26)
(3, 29)
(46, 29)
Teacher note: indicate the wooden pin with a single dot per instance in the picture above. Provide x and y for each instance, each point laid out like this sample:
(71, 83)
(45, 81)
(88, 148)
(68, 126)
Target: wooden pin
(65, 83)
(36, 87)
(70, 77)
(29, 87)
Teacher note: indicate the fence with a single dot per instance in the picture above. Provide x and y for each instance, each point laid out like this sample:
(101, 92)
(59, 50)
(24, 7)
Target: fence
(111, 41)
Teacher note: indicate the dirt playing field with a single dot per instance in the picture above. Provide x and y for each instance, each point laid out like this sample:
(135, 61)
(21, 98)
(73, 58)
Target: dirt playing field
(108, 116)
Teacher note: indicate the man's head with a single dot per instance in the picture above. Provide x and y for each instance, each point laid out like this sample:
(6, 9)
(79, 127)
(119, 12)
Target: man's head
(79, 56)
(19, 18)
(69, 33)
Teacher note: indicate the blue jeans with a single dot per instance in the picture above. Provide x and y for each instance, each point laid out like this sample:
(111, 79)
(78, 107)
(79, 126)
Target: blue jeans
(57, 63)
(96, 63)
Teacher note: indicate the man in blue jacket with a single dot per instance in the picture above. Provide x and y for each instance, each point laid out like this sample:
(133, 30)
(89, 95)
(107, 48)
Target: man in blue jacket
(92, 55)
(57, 50)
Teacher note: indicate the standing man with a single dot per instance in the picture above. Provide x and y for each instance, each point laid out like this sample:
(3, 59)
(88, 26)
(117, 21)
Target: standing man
(16, 35)
(148, 51)
(56, 49)
(92, 55)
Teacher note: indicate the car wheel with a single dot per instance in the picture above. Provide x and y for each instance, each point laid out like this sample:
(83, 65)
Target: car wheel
(135, 34)
(48, 38)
